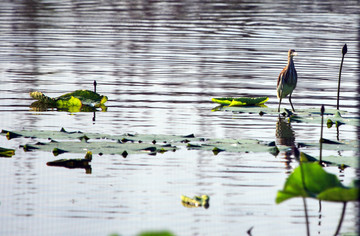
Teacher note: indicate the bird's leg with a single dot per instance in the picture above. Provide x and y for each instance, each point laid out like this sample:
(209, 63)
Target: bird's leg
(291, 103)
(279, 105)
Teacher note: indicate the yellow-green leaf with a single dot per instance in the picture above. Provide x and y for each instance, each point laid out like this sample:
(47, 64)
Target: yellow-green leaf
(241, 101)
(72, 102)
(248, 101)
(5, 152)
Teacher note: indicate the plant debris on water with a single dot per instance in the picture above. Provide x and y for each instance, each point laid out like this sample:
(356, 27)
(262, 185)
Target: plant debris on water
(196, 201)
(79, 100)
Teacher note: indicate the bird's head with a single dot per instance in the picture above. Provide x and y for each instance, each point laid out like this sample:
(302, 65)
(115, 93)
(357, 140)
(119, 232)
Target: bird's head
(292, 53)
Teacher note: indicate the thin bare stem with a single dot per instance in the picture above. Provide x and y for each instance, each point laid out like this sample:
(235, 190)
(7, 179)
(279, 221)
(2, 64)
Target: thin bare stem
(321, 131)
(344, 51)
(341, 219)
(306, 218)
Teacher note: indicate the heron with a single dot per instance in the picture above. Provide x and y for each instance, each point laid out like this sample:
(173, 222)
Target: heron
(287, 79)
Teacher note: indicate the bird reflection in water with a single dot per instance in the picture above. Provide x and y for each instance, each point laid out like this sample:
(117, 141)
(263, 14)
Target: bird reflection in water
(285, 136)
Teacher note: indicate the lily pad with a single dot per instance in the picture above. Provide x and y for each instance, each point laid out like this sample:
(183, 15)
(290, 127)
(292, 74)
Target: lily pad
(311, 115)
(62, 141)
(241, 101)
(131, 143)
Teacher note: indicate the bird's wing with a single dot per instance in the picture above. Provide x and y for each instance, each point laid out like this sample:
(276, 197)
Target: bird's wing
(281, 77)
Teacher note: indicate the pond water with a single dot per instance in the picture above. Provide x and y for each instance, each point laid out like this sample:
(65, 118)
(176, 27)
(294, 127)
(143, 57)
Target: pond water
(160, 63)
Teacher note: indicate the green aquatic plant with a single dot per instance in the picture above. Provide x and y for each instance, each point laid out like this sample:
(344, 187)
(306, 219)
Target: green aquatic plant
(156, 233)
(6, 152)
(79, 100)
(344, 51)
(311, 180)
(310, 115)
(241, 101)
(150, 233)
(74, 163)
(62, 141)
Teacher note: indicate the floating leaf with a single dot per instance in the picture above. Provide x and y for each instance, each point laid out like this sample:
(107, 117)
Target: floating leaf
(328, 141)
(87, 97)
(58, 151)
(74, 163)
(307, 158)
(217, 150)
(5, 152)
(136, 143)
(43, 98)
(274, 150)
(79, 100)
(241, 101)
(223, 101)
(156, 233)
(196, 201)
(71, 102)
(311, 115)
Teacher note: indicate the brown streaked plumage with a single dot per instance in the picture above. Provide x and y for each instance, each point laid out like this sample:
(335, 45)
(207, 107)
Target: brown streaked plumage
(287, 79)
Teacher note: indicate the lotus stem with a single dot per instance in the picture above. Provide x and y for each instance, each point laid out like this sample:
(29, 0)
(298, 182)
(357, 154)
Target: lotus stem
(322, 110)
(344, 51)
(306, 218)
(95, 86)
(341, 219)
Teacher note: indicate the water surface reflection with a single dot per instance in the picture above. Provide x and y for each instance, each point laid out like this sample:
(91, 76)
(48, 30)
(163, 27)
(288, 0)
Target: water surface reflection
(160, 62)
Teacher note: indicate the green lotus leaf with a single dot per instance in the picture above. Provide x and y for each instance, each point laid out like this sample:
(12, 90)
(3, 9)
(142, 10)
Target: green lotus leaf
(241, 101)
(156, 233)
(248, 101)
(87, 97)
(311, 180)
(71, 102)
(223, 101)
(79, 100)
(339, 194)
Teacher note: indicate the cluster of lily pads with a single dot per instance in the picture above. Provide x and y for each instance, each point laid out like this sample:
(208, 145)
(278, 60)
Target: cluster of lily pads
(309, 179)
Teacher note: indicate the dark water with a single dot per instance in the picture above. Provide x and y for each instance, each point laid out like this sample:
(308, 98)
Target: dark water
(160, 63)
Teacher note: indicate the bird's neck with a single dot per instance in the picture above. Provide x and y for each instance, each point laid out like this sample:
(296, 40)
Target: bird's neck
(290, 61)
